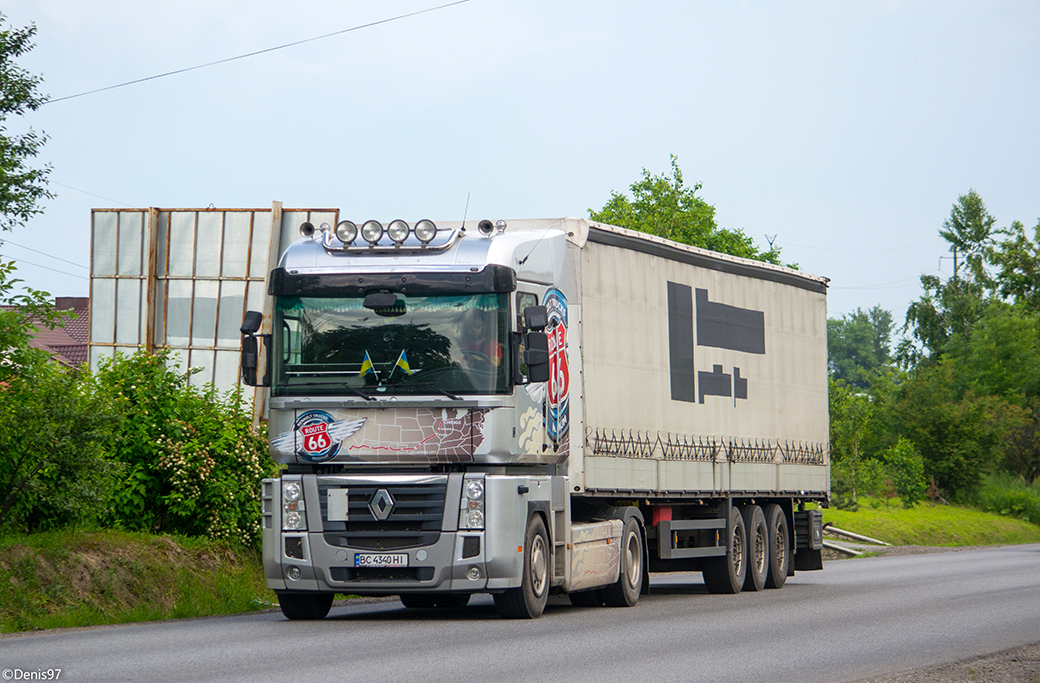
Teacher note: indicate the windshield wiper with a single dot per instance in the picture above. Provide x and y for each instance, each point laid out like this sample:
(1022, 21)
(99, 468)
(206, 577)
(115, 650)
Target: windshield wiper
(439, 390)
(356, 392)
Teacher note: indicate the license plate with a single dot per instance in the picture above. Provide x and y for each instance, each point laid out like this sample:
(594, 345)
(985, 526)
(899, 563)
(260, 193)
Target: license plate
(400, 560)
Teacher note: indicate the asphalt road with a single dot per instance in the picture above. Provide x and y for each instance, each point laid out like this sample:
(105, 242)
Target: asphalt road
(856, 619)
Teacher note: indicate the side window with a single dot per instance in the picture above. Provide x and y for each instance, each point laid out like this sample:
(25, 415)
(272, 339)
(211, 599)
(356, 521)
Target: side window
(523, 300)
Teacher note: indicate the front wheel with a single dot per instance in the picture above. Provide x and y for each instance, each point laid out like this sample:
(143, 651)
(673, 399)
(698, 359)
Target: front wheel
(528, 601)
(305, 605)
(625, 593)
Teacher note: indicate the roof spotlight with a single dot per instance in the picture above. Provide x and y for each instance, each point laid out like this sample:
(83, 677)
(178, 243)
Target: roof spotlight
(485, 228)
(398, 231)
(346, 232)
(372, 231)
(425, 231)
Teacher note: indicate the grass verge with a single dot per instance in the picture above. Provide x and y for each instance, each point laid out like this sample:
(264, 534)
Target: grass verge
(78, 578)
(927, 524)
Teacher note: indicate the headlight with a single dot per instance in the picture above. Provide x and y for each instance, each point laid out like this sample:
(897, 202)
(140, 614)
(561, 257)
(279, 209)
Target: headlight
(293, 518)
(471, 513)
(425, 231)
(398, 231)
(346, 232)
(474, 489)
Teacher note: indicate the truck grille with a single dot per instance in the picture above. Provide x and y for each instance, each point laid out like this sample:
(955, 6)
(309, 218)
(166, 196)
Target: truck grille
(414, 518)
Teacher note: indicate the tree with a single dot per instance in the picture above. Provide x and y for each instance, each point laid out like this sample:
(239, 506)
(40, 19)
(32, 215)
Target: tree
(665, 207)
(22, 187)
(1017, 259)
(859, 345)
(952, 308)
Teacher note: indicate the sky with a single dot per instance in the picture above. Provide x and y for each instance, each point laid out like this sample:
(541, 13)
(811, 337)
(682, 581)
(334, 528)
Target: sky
(843, 131)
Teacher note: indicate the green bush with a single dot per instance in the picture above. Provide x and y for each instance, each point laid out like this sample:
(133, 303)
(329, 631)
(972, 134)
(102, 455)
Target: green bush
(192, 464)
(1010, 495)
(906, 469)
(55, 432)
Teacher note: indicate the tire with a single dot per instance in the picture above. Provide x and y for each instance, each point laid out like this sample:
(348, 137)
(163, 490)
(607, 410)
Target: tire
(625, 593)
(779, 546)
(305, 605)
(757, 548)
(586, 598)
(726, 574)
(528, 601)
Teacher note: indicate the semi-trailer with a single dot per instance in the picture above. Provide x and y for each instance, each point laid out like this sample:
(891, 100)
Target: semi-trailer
(535, 407)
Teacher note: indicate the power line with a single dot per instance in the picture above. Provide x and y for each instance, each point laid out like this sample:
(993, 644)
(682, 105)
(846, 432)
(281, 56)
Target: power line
(858, 249)
(30, 263)
(107, 199)
(71, 263)
(260, 52)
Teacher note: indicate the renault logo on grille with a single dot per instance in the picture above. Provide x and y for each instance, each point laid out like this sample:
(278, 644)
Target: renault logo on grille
(381, 505)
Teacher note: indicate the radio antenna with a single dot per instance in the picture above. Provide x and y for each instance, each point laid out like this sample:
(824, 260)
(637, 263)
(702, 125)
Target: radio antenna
(465, 212)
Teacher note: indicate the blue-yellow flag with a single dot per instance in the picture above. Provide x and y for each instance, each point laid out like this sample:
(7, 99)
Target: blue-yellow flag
(366, 366)
(402, 362)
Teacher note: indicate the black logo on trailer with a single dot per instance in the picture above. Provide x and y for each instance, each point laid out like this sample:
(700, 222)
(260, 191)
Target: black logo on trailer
(718, 325)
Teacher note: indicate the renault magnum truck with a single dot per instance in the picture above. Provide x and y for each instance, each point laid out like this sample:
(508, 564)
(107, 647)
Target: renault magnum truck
(535, 407)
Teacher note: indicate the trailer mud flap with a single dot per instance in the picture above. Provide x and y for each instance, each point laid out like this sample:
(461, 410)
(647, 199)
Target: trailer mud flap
(808, 535)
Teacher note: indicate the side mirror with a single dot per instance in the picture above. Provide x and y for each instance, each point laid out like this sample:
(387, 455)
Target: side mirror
(251, 322)
(536, 318)
(251, 347)
(536, 354)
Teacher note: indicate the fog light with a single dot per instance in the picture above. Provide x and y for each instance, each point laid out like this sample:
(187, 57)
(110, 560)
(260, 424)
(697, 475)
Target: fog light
(425, 230)
(398, 231)
(372, 231)
(472, 572)
(346, 232)
(294, 573)
(474, 519)
(292, 520)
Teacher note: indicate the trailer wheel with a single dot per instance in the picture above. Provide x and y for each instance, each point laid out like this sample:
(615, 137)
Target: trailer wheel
(625, 593)
(528, 601)
(757, 548)
(726, 574)
(305, 605)
(779, 552)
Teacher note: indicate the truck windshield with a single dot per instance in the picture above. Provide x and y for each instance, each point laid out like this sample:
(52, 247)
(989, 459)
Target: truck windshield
(399, 345)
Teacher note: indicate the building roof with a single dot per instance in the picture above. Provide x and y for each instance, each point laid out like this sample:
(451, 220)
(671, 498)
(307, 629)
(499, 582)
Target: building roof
(68, 345)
